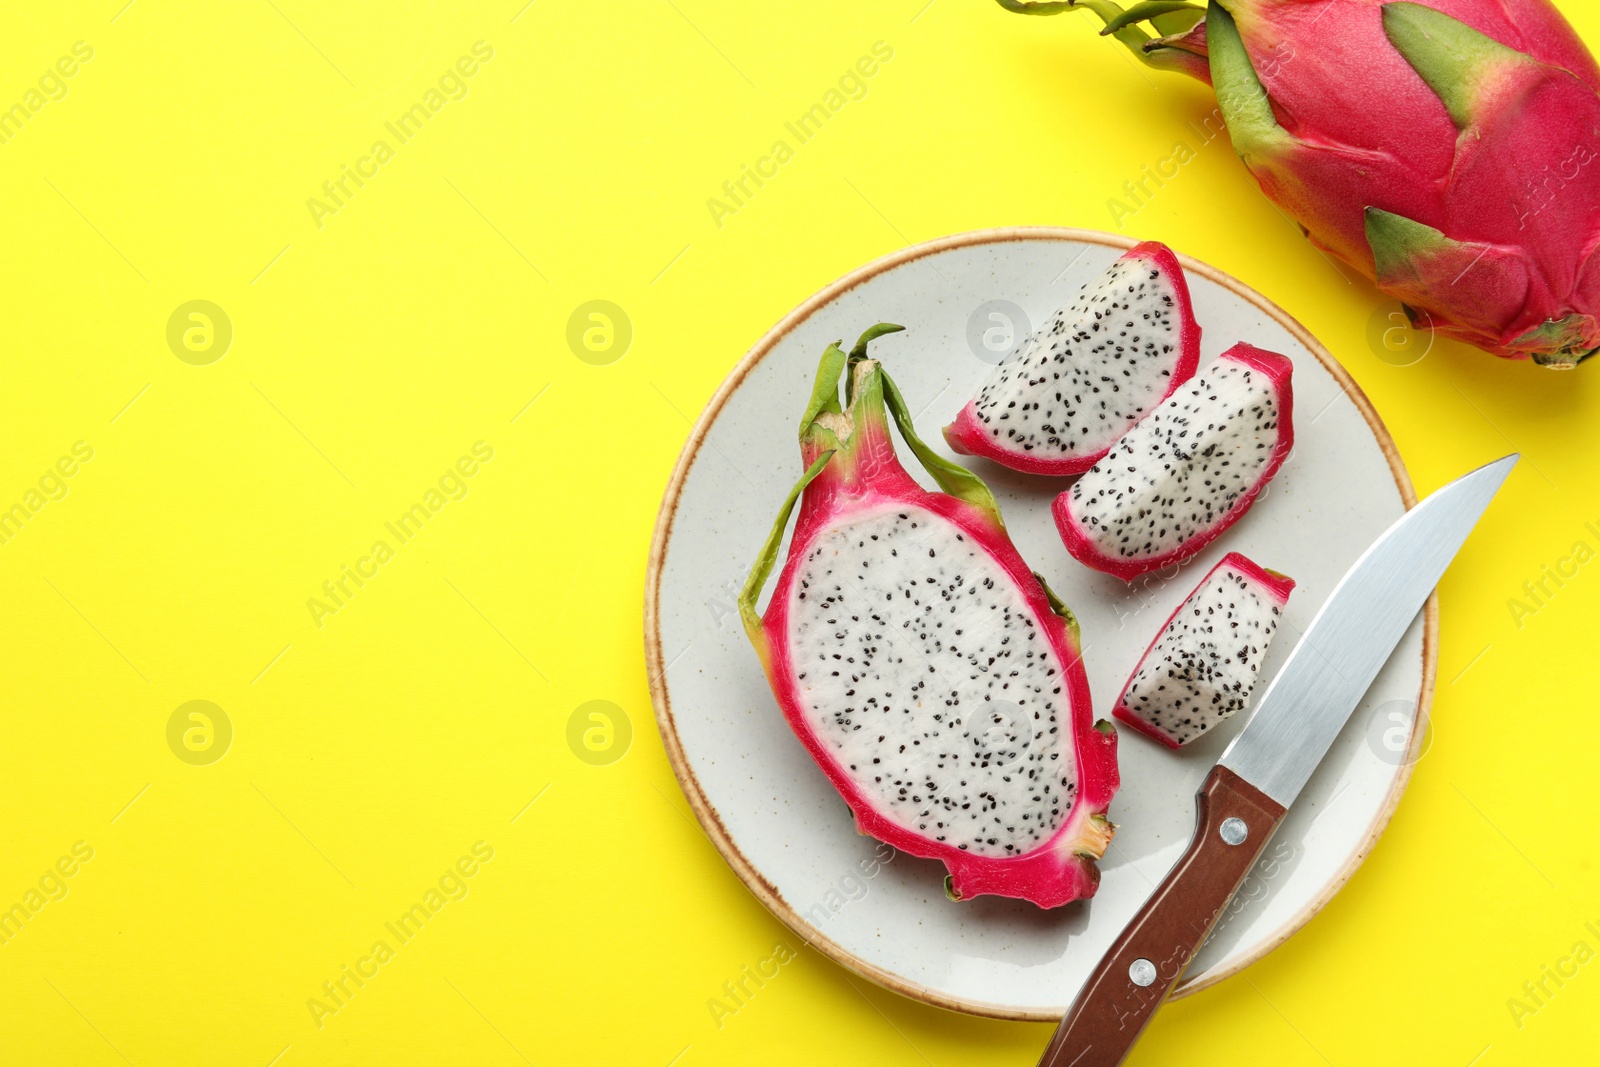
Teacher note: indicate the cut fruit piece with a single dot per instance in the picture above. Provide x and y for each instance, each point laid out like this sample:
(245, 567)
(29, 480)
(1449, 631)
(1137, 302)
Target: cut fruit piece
(1203, 664)
(1187, 471)
(1085, 377)
(929, 672)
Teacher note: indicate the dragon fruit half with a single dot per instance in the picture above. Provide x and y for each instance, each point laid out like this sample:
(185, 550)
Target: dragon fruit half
(1444, 149)
(931, 675)
(1096, 368)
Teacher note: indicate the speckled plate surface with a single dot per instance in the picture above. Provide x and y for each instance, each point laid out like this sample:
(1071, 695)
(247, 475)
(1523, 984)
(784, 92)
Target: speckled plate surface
(770, 810)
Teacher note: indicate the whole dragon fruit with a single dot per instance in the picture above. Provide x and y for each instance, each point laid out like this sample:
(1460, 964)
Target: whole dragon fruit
(931, 675)
(1444, 149)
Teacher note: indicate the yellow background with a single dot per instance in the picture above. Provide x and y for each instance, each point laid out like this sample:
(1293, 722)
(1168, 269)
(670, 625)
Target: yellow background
(423, 316)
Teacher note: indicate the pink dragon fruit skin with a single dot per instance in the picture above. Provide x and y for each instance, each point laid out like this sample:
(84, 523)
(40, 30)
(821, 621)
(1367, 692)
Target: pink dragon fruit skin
(1445, 149)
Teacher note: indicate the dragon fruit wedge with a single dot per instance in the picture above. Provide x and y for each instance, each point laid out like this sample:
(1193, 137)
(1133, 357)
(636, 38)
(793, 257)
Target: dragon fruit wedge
(1186, 471)
(1203, 664)
(1445, 149)
(931, 675)
(1096, 368)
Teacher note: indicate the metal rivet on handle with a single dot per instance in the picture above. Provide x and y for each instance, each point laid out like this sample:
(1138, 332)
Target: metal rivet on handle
(1142, 972)
(1234, 831)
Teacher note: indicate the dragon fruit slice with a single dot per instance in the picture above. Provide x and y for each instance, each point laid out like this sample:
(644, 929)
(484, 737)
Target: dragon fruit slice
(1097, 367)
(1203, 664)
(932, 676)
(1187, 471)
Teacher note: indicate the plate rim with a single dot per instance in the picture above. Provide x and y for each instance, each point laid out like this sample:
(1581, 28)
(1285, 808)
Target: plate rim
(710, 820)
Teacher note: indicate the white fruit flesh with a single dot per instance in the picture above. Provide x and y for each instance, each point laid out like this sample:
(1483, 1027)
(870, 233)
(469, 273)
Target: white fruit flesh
(924, 673)
(1180, 471)
(1204, 665)
(1097, 367)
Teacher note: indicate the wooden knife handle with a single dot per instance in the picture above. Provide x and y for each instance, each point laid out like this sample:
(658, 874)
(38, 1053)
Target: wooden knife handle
(1235, 822)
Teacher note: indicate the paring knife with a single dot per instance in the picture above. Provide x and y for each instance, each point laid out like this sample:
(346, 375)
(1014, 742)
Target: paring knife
(1261, 773)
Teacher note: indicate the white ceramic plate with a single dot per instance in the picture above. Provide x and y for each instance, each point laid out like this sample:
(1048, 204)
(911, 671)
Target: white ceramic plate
(774, 816)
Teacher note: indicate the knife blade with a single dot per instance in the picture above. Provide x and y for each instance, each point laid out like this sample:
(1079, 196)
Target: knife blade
(1261, 773)
(1351, 638)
